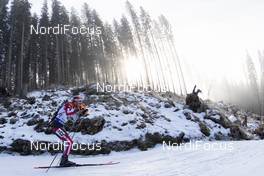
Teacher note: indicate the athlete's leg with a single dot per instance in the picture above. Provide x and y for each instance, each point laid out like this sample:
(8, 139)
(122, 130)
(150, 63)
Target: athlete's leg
(63, 135)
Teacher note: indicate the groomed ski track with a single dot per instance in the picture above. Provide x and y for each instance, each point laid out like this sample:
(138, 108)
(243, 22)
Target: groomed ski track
(245, 158)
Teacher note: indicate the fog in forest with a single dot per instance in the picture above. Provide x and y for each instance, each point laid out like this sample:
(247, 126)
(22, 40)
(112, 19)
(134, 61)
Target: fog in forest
(166, 45)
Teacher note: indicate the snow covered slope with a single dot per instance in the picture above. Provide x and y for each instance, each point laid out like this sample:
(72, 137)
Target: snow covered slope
(242, 158)
(119, 120)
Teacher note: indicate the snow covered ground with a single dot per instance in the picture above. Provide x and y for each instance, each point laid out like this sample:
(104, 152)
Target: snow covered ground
(232, 158)
(118, 127)
(130, 117)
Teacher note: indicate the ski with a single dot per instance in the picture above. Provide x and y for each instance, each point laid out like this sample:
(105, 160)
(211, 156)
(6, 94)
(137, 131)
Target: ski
(78, 165)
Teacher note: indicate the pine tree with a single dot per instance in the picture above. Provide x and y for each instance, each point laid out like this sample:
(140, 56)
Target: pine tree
(4, 39)
(97, 47)
(45, 48)
(261, 61)
(20, 27)
(128, 47)
(87, 53)
(75, 58)
(137, 28)
(122, 78)
(146, 23)
(54, 59)
(126, 37)
(167, 31)
(253, 83)
(64, 47)
(32, 59)
(111, 53)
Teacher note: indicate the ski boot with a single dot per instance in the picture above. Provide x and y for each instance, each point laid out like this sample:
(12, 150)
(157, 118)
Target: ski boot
(65, 162)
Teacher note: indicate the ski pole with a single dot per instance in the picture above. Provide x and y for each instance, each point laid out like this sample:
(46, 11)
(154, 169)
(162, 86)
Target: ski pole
(52, 162)
(57, 155)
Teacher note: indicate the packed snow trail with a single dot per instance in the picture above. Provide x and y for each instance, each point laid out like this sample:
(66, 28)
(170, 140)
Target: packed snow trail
(245, 158)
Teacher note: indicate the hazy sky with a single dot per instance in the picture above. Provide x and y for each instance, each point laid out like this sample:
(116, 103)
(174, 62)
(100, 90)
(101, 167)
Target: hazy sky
(212, 36)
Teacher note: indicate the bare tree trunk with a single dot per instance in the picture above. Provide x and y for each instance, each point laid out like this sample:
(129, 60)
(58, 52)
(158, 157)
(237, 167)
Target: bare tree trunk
(58, 60)
(159, 84)
(180, 67)
(8, 69)
(168, 66)
(143, 56)
(261, 61)
(176, 68)
(159, 59)
(20, 89)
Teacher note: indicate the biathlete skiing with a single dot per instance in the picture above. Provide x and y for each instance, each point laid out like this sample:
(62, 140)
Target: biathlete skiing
(68, 111)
